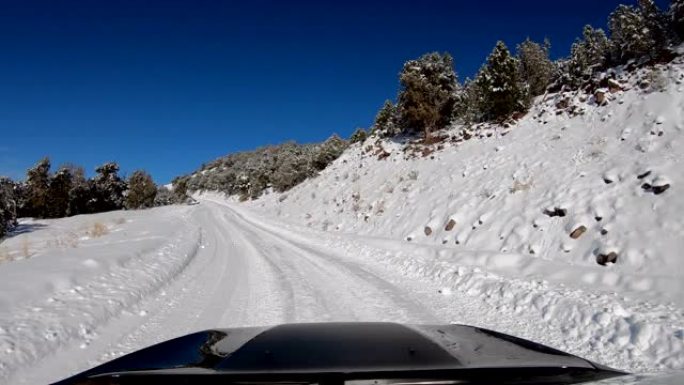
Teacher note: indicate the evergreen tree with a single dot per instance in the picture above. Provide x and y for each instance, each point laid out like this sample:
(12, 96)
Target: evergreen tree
(107, 188)
(428, 93)
(141, 191)
(81, 191)
(164, 196)
(8, 209)
(536, 69)
(657, 26)
(328, 151)
(180, 189)
(499, 85)
(37, 185)
(677, 17)
(630, 34)
(467, 109)
(386, 121)
(358, 136)
(58, 199)
(587, 54)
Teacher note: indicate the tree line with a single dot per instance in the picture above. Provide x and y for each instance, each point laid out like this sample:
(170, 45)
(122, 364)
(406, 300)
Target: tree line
(432, 98)
(280, 167)
(67, 192)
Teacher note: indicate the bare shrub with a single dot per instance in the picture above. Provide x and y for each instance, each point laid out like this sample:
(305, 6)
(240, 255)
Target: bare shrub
(4, 255)
(389, 188)
(25, 247)
(97, 230)
(520, 186)
(380, 207)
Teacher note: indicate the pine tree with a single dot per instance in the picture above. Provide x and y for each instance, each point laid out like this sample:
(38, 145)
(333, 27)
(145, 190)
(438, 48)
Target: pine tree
(328, 151)
(108, 189)
(499, 85)
(469, 102)
(587, 54)
(657, 26)
(677, 17)
(37, 185)
(359, 135)
(81, 192)
(8, 207)
(536, 69)
(141, 191)
(427, 98)
(386, 121)
(629, 34)
(61, 184)
(180, 189)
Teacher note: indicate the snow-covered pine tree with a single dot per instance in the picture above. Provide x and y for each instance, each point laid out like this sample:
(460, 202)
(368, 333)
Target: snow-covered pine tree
(81, 191)
(657, 24)
(468, 102)
(359, 135)
(498, 83)
(141, 190)
(37, 185)
(386, 121)
(61, 184)
(8, 208)
(108, 189)
(328, 151)
(677, 17)
(180, 189)
(587, 54)
(535, 66)
(630, 34)
(429, 87)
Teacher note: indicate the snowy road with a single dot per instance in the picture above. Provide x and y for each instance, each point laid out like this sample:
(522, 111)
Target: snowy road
(242, 274)
(219, 265)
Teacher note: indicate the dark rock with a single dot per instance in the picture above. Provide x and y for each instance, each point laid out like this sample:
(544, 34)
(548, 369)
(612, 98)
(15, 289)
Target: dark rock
(604, 259)
(450, 225)
(600, 97)
(644, 175)
(563, 103)
(657, 190)
(556, 212)
(576, 233)
(427, 230)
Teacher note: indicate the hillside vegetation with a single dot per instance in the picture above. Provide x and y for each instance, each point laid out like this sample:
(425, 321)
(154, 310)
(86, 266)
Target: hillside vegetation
(431, 98)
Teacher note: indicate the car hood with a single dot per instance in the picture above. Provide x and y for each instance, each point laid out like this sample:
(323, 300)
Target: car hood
(339, 352)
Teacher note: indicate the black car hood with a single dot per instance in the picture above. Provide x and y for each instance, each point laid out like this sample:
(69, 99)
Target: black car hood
(338, 352)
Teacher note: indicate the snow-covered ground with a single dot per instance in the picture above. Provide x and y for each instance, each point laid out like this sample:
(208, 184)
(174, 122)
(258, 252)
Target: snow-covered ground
(478, 232)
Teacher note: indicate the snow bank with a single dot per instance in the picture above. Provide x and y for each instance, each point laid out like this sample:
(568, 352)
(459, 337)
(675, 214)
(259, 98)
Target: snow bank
(67, 277)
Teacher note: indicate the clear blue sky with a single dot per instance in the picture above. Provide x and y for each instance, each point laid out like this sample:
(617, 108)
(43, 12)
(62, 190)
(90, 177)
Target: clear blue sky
(166, 85)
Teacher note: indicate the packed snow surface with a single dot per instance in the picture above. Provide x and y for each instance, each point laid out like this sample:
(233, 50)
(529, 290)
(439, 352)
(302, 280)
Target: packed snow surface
(565, 230)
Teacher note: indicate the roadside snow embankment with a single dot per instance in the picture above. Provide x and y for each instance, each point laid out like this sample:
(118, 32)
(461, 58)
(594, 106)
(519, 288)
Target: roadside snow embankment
(68, 277)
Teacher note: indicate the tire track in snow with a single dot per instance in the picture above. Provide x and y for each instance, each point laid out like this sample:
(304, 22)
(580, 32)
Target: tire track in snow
(341, 288)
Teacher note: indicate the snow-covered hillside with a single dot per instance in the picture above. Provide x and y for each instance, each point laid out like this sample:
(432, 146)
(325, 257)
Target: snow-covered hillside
(574, 213)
